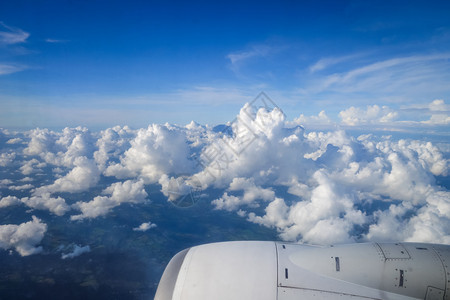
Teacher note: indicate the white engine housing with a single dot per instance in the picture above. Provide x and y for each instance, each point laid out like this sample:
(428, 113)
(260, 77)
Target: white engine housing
(273, 270)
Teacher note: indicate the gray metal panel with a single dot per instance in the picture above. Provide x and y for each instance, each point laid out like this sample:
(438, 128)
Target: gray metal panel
(443, 252)
(434, 294)
(296, 294)
(394, 251)
(314, 268)
(401, 270)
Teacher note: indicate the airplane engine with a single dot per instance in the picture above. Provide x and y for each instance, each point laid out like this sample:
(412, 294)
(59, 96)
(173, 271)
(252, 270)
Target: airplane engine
(281, 271)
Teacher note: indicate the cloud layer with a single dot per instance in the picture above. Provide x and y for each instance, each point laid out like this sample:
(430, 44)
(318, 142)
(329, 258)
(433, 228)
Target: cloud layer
(312, 186)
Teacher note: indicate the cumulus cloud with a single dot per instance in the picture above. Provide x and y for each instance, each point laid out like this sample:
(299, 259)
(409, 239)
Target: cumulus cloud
(77, 251)
(372, 115)
(312, 186)
(335, 177)
(250, 197)
(57, 206)
(145, 226)
(440, 113)
(5, 182)
(27, 179)
(118, 193)
(155, 151)
(60, 148)
(6, 159)
(84, 175)
(32, 166)
(320, 120)
(406, 118)
(21, 187)
(24, 237)
(44, 201)
(112, 143)
(439, 105)
(9, 201)
(14, 141)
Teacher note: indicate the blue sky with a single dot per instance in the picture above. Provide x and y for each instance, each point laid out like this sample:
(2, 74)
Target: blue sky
(106, 63)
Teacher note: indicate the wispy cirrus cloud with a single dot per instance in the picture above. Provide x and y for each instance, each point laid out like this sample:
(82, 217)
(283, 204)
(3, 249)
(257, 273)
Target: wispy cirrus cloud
(327, 62)
(255, 51)
(395, 75)
(55, 41)
(239, 59)
(11, 68)
(11, 35)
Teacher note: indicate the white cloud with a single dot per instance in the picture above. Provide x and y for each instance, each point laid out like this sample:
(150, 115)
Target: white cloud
(32, 166)
(439, 105)
(11, 68)
(319, 121)
(55, 41)
(367, 81)
(252, 194)
(24, 237)
(440, 113)
(10, 35)
(312, 186)
(27, 179)
(372, 115)
(334, 176)
(175, 187)
(77, 251)
(84, 175)
(375, 70)
(21, 187)
(145, 226)
(407, 118)
(61, 149)
(41, 141)
(14, 141)
(5, 182)
(129, 191)
(238, 58)
(325, 63)
(327, 217)
(44, 201)
(155, 151)
(7, 158)
(276, 215)
(430, 223)
(9, 201)
(112, 143)
(438, 119)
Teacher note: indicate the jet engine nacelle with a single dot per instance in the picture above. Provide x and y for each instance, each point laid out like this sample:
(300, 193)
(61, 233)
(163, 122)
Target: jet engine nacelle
(281, 271)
